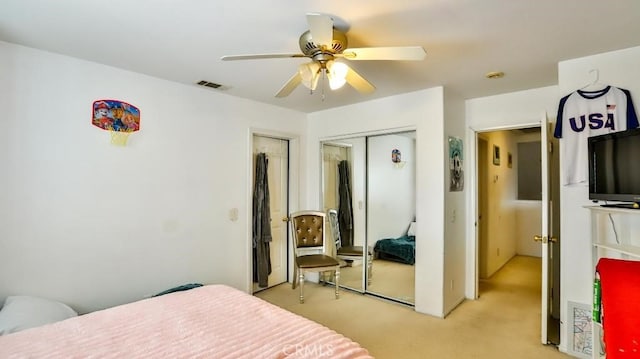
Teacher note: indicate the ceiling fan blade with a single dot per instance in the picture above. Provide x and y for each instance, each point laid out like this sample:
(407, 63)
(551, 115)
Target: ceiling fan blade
(385, 53)
(358, 82)
(321, 28)
(291, 85)
(259, 56)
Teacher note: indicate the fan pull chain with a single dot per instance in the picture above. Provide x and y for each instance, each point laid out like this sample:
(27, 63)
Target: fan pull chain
(324, 75)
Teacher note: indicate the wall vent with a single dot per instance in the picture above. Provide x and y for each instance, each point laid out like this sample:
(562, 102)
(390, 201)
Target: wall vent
(212, 85)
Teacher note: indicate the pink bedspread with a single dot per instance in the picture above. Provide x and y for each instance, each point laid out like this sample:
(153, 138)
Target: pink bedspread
(213, 321)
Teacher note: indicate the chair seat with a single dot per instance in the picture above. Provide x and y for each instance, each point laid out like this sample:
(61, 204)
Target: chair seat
(352, 251)
(316, 261)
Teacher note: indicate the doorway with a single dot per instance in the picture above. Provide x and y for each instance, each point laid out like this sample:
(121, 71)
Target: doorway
(276, 151)
(509, 210)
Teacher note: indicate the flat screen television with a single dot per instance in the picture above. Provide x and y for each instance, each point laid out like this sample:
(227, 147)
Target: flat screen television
(614, 167)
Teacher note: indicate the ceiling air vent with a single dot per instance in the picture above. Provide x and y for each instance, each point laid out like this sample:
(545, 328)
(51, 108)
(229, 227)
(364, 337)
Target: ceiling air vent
(212, 85)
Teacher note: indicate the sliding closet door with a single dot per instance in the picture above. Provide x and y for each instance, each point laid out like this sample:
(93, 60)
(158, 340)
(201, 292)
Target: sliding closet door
(343, 181)
(382, 204)
(391, 206)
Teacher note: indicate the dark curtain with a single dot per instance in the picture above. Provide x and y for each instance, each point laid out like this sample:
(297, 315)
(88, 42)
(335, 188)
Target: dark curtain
(345, 212)
(261, 223)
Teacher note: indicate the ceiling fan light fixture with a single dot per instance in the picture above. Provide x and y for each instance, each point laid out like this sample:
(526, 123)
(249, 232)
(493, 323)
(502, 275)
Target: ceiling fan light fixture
(335, 84)
(337, 74)
(309, 73)
(322, 43)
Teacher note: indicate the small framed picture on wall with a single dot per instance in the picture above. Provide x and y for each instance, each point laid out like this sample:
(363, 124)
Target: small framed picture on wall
(496, 155)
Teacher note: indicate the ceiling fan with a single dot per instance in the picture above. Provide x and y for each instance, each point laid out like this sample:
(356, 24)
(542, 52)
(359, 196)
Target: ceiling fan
(323, 44)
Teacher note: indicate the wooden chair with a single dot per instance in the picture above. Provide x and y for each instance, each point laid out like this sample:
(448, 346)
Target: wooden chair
(349, 253)
(310, 248)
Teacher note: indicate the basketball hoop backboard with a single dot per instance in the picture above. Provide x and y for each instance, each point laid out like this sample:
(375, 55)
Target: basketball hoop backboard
(118, 117)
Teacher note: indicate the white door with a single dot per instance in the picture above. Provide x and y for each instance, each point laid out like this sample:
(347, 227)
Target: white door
(277, 151)
(544, 235)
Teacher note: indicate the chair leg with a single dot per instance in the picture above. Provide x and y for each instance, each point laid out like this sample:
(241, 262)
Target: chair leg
(337, 275)
(295, 277)
(301, 278)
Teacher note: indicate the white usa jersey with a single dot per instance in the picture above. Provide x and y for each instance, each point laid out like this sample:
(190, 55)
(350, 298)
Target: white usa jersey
(583, 114)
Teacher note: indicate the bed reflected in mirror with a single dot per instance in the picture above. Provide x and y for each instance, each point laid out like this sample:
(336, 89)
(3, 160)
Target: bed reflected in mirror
(368, 188)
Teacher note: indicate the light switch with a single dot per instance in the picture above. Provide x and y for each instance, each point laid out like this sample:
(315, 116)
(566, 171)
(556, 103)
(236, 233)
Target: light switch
(233, 214)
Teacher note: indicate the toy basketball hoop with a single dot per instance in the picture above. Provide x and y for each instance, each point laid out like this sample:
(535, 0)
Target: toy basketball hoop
(119, 138)
(119, 118)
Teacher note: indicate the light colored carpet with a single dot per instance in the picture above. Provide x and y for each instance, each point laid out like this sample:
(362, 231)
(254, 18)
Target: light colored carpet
(391, 279)
(503, 323)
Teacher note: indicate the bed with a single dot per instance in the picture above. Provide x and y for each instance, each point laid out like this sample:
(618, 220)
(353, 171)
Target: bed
(213, 321)
(401, 249)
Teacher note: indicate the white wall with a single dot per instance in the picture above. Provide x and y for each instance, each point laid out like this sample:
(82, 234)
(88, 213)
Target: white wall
(391, 190)
(96, 225)
(424, 112)
(617, 68)
(500, 219)
(455, 212)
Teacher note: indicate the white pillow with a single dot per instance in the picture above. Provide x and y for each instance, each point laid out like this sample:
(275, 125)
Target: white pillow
(23, 312)
(412, 230)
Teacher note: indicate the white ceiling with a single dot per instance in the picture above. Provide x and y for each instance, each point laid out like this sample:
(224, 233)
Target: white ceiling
(183, 40)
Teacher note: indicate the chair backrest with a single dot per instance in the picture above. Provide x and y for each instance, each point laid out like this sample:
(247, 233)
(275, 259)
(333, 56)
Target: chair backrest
(308, 229)
(335, 227)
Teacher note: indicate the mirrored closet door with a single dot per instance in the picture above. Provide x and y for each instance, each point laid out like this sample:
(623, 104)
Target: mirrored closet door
(343, 198)
(368, 192)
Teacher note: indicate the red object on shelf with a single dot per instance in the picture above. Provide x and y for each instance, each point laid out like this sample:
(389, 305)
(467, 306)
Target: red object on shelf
(620, 286)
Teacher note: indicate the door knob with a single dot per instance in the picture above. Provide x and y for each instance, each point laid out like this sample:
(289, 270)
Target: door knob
(285, 219)
(539, 238)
